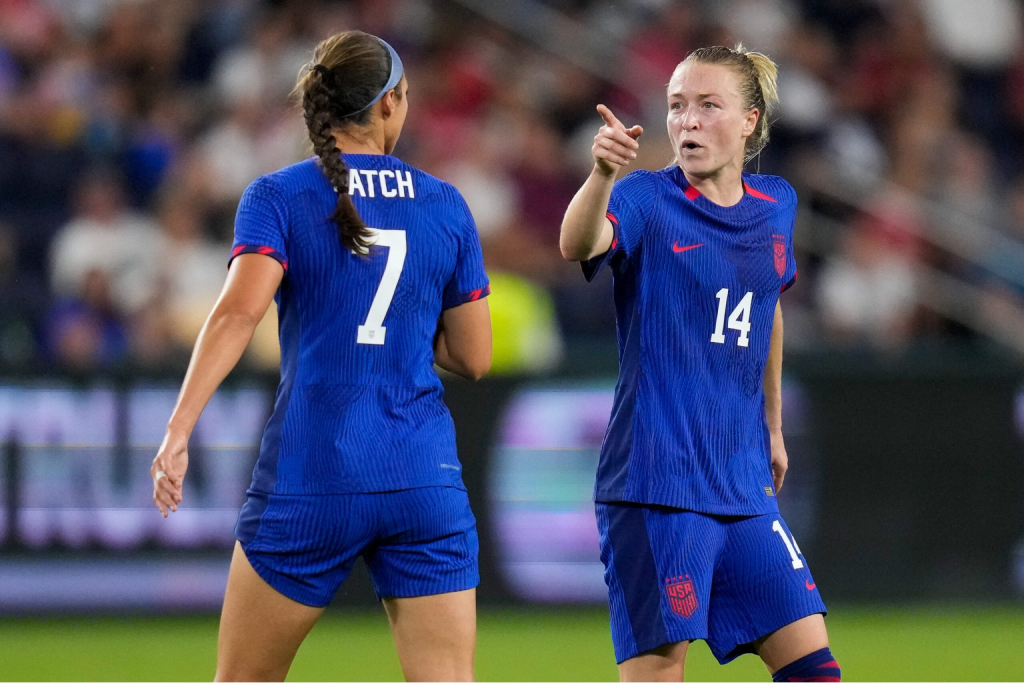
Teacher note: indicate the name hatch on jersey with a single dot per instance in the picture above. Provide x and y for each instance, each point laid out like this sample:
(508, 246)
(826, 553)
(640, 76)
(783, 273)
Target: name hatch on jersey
(364, 183)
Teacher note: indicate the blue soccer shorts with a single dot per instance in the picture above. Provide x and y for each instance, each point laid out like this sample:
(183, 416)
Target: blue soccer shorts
(676, 575)
(415, 542)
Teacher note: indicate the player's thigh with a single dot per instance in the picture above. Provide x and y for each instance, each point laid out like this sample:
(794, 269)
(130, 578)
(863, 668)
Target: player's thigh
(260, 629)
(306, 546)
(428, 544)
(435, 635)
(425, 568)
(658, 568)
(792, 641)
(664, 663)
(762, 585)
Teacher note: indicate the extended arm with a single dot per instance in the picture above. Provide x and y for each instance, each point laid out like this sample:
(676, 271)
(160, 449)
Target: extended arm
(586, 231)
(773, 400)
(252, 281)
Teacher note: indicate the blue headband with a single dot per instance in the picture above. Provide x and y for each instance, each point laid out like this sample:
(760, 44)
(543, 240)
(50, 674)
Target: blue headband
(393, 79)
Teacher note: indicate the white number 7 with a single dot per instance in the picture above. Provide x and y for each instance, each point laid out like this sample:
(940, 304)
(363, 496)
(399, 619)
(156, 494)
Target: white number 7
(372, 331)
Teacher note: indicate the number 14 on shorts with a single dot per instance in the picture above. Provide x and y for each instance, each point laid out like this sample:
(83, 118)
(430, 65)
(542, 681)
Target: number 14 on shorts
(791, 546)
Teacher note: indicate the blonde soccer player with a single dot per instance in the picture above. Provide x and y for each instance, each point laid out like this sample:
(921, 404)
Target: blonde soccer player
(693, 458)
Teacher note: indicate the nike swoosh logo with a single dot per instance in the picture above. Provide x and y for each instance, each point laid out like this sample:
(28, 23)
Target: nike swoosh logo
(810, 586)
(676, 248)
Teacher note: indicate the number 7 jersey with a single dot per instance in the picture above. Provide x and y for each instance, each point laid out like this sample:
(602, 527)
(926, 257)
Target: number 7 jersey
(695, 286)
(359, 407)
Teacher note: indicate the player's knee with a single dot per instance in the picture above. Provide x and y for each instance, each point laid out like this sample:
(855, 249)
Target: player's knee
(820, 665)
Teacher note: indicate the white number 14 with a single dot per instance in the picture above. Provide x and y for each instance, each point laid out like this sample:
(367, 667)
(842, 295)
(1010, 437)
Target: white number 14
(792, 547)
(739, 319)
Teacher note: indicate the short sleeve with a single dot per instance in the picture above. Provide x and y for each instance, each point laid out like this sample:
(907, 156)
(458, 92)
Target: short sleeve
(261, 224)
(469, 281)
(790, 283)
(628, 211)
(790, 272)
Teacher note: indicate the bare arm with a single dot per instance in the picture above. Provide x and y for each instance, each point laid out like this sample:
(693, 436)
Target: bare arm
(773, 400)
(252, 281)
(463, 341)
(586, 231)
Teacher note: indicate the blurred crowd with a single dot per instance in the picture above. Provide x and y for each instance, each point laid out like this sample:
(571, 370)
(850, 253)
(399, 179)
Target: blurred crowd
(129, 129)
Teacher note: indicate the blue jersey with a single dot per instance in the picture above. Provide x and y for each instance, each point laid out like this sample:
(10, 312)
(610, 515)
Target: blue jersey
(695, 285)
(359, 407)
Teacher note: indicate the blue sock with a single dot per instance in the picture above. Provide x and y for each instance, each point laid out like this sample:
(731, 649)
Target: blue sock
(817, 666)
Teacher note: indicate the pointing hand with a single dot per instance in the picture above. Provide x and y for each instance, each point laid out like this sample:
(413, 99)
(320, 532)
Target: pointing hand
(614, 145)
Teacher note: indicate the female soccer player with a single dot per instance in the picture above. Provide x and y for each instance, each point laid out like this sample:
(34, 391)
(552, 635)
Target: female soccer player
(359, 455)
(691, 537)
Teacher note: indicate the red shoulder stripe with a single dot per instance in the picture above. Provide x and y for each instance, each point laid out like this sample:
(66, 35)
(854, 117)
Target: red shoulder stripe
(760, 195)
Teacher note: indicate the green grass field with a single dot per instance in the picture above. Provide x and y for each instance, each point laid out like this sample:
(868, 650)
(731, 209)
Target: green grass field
(918, 644)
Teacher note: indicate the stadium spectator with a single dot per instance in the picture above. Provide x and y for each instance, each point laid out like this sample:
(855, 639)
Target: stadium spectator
(191, 268)
(155, 338)
(806, 99)
(105, 236)
(251, 140)
(967, 207)
(655, 48)
(84, 330)
(24, 299)
(983, 34)
(262, 69)
(543, 182)
(480, 175)
(867, 293)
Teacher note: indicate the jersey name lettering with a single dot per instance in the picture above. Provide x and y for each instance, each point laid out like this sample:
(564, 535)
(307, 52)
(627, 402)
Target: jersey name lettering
(365, 182)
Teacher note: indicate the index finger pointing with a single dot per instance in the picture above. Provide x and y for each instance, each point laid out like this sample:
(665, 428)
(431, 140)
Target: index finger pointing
(609, 117)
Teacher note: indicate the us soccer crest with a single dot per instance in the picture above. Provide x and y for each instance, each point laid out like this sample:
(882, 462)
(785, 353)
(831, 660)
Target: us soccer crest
(682, 597)
(780, 254)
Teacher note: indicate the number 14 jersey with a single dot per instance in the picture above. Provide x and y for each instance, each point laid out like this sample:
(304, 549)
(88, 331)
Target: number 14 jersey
(359, 407)
(695, 287)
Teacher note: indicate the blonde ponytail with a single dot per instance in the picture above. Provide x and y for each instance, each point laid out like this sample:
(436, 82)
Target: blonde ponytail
(767, 81)
(758, 86)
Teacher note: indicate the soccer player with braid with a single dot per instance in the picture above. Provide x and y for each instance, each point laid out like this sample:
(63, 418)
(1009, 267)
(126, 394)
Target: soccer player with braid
(691, 537)
(377, 272)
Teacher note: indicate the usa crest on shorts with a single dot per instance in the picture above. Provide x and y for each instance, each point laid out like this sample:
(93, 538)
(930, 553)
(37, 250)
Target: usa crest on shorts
(682, 596)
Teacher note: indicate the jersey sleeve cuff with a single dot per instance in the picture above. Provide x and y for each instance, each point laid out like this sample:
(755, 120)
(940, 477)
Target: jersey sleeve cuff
(594, 266)
(788, 284)
(258, 249)
(465, 297)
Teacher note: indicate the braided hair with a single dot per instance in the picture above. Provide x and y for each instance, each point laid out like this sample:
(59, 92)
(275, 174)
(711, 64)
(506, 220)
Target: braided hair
(347, 71)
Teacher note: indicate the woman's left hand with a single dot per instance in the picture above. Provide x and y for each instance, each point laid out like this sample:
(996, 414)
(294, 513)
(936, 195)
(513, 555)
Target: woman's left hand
(780, 461)
(168, 471)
